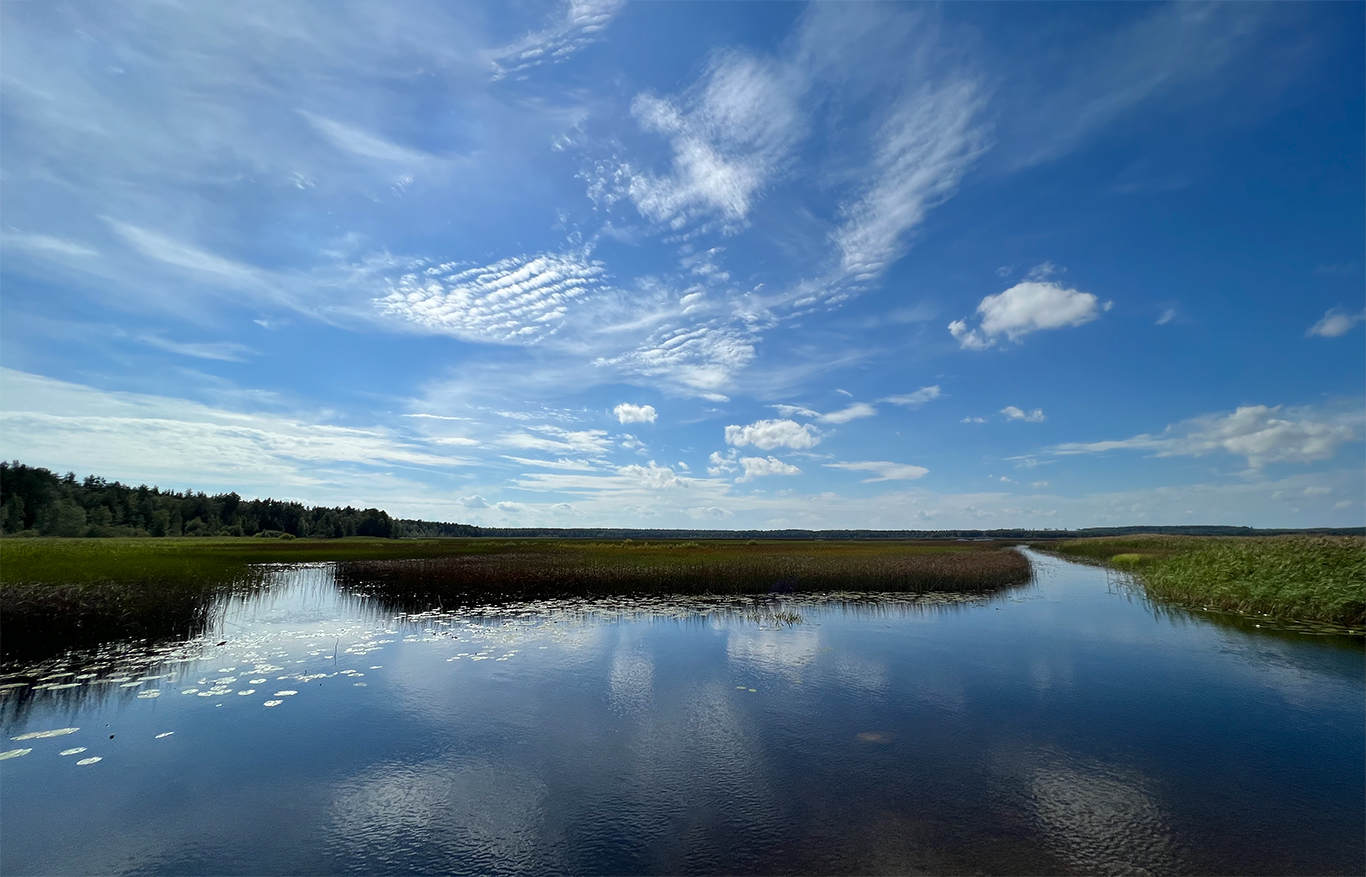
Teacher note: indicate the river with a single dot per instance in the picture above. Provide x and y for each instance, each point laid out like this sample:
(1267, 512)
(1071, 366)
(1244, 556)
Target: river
(1065, 726)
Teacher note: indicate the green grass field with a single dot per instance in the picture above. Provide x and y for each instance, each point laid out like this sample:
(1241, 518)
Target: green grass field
(1296, 578)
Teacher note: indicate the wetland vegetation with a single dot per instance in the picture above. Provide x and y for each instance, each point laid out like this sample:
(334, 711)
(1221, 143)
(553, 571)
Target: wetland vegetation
(1304, 578)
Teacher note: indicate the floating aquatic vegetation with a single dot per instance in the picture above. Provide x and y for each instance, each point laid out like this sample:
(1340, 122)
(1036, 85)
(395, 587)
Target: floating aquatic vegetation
(73, 751)
(13, 753)
(43, 735)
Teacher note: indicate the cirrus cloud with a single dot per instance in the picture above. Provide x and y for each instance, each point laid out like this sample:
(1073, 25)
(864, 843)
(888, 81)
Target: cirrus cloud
(884, 471)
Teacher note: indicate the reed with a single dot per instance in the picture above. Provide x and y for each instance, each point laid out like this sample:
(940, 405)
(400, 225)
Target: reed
(1298, 578)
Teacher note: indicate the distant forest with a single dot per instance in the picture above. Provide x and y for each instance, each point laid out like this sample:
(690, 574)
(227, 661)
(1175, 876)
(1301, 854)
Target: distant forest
(38, 502)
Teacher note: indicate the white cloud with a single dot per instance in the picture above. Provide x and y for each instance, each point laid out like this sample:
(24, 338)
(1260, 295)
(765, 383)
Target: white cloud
(46, 245)
(1255, 432)
(928, 140)
(1334, 323)
(1026, 307)
(580, 24)
(363, 143)
(1038, 484)
(1013, 413)
(515, 301)
(701, 359)
(628, 413)
(225, 351)
(1167, 316)
(853, 412)
(473, 502)
(710, 512)
(652, 476)
(562, 463)
(884, 470)
(769, 434)
(973, 420)
(553, 438)
(795, 411)
(757, 467)
(722, 464)
(916, 399)
(729, 135)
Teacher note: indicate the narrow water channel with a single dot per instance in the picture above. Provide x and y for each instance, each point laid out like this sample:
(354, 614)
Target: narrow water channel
(1066, 726)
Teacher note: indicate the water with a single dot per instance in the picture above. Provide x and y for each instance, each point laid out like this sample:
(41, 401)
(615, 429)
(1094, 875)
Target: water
(1067, 726)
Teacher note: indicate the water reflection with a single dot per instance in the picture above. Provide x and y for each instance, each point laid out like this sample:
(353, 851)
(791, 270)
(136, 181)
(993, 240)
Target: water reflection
(1064, 726)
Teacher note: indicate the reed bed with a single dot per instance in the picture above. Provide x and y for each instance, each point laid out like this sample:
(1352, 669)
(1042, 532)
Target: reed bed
(537, 570)
(1295, 578)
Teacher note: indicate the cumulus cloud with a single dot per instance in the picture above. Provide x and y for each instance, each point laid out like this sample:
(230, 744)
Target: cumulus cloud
(1026, 307)
(652, 475)
(853, 412)
(884, 471)
(757, 467)
(628, 413)
(1262, 434)
(1334, 323)
(1013, 413)
(769, 434)
(518, 300)
(722, 464)
(916, 399)
(473, 502)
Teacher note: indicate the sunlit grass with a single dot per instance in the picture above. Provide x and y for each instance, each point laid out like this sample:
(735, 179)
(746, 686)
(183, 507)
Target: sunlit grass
(1306, 578)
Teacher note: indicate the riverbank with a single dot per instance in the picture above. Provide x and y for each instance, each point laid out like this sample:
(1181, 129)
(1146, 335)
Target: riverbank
(1294, 578)
(75, 593)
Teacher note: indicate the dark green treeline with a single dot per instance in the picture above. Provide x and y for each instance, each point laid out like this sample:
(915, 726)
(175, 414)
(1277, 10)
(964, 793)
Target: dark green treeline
(37, 502)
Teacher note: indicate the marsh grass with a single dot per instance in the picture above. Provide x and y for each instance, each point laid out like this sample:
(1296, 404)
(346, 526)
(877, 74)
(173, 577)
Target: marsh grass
(529, 570)
(1295, 578)
(57, 594)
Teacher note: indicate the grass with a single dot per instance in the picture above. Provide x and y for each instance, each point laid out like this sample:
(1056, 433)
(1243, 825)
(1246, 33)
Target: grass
(537, 569)
(1294, 578)
(68, 593)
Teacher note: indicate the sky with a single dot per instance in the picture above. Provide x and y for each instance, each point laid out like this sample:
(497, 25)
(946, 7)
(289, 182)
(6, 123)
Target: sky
(723, 265)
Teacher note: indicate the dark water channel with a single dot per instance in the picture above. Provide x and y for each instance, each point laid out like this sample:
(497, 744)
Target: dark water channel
(1067, 726)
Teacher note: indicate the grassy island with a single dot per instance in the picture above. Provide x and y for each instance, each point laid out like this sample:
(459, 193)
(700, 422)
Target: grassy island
(64, 592)
(1295, 578)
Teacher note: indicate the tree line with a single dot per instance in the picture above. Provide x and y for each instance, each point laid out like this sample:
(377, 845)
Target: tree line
(37, 502)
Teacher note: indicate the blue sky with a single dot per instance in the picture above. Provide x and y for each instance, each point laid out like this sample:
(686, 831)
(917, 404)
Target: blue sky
(675, 265)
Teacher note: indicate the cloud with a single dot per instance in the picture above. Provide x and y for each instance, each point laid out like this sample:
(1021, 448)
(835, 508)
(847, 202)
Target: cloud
(46, 245)
(580, 25)
(722, 464)
(853, 412)
(225, 351)
(363, 143)
(1257, 432)
(1334, 323)
(1038, 484)
(729, 135)
(712, 512)
(973, 420)
(653, 476)
(916, 399)
(1026, 307)
(758, 467)
(562, 463)
(884, 471)
(701, 359)
(1013, 413)
(518, 300)
(927, 141)
(769, 434)
(795, 411)
(593, 442)
(628, 413)
(473, 502)
(1167, 316)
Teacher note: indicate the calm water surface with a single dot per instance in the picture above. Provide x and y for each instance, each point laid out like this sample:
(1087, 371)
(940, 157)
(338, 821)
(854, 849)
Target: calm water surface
(1064, 727)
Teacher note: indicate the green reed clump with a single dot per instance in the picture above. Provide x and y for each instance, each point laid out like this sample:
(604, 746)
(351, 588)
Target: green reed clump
(596, 569)
(1305, 578)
